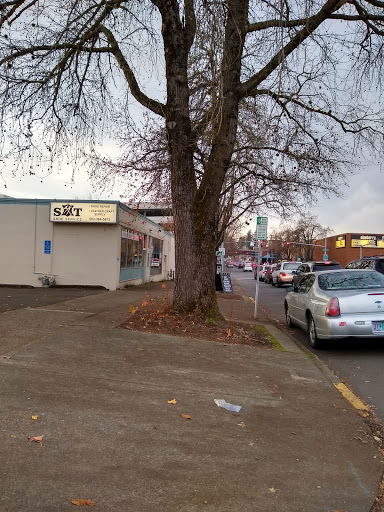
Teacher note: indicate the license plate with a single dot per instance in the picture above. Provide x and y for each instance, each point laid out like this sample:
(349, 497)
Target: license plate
(378, 327)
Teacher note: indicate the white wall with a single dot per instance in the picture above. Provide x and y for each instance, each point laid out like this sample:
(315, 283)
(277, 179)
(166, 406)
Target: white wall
(85, 254)
(22, 251)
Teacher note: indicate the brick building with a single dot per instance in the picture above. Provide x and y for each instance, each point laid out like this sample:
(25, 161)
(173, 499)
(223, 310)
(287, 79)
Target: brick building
(350, 246)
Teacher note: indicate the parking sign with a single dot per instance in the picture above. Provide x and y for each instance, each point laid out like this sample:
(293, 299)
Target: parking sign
(261, 228)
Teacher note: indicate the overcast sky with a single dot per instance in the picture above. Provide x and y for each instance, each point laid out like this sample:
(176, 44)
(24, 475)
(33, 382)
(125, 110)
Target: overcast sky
(361, 210)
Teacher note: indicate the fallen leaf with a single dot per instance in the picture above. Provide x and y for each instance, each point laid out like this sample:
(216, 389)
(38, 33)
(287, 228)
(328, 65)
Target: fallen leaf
(163, 285)
(229, 334)
(133, 309)
(186, 416)
(35, 417)
(251, 443)
(36, 439)
(82, 503)
(144, 303)
(173, 401)
(272, 489)
(241, 424)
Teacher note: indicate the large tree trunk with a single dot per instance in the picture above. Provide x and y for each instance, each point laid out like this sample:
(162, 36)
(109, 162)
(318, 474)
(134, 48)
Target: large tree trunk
(195, 208)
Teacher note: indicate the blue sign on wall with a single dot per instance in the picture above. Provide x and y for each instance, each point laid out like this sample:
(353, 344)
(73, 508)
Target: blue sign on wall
(47, 246)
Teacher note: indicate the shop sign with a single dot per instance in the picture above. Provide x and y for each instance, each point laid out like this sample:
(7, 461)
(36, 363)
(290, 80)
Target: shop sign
(370, 241)
(95, 213)
(340, 241)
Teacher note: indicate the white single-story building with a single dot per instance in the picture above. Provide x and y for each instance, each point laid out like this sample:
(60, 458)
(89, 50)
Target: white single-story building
(81, 243)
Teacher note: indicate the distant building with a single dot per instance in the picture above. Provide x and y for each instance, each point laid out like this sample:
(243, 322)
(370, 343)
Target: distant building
(350, 246)
(81, 243)
(161, 213)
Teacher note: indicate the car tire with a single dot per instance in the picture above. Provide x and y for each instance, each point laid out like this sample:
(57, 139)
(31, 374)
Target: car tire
(288, 316)
(312, 335)
(278, 283)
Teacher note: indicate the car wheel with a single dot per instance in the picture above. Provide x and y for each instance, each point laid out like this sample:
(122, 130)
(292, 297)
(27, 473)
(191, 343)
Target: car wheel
(288, 316)
(312, 335)
(278, 283)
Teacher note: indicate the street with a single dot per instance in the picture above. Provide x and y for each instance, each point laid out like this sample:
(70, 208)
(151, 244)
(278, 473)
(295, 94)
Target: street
(357, 361)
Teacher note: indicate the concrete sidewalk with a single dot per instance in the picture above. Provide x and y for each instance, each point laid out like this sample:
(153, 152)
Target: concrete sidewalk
(101, 396)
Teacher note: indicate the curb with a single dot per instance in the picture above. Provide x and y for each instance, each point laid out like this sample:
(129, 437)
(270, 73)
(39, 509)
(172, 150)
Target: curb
(292, 345)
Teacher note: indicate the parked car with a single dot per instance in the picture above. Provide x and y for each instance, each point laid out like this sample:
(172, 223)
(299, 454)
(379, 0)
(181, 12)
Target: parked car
(261, 272)
(314, 266)
(241, 264)
(283, 272)
(155, 262)
(268, 274)
(368, 262)
(229, 264)
(337, 304)
(247, 266)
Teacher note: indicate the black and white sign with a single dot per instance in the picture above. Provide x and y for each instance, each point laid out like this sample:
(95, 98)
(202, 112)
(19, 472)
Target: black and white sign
(226, 282)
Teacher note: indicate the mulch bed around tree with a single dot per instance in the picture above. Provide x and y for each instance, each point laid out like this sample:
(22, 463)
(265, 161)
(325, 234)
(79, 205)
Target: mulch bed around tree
(156, 315)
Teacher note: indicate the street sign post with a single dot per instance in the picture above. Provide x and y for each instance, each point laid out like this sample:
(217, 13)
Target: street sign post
(261, 234)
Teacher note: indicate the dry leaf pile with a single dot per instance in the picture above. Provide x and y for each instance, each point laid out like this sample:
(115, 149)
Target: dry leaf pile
(155, 314)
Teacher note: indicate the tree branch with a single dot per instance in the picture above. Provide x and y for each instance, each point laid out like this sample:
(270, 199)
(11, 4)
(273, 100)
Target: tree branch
(153, 105)
(249, 87)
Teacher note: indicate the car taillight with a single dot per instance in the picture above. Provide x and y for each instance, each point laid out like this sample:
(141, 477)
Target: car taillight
(333, 308)
(282, 274)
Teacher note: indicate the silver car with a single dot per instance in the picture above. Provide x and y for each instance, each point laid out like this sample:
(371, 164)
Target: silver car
(337, 304)
(282, 273)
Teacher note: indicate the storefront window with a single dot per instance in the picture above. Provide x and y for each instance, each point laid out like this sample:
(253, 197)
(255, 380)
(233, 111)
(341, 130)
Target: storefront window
(131, 249)
(156, 256)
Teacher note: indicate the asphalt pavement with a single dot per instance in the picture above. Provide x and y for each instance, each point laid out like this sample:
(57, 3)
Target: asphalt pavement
(128, 420)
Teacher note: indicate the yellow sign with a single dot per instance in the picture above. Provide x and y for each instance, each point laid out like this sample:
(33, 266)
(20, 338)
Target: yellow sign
(100, 213)
(370, 241)
(340, 242)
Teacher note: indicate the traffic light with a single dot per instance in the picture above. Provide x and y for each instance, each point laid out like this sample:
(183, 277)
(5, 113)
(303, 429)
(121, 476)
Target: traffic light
(261, 243)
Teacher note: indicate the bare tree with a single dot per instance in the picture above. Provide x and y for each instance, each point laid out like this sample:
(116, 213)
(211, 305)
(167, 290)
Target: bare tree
(294, 239)
(246, 88)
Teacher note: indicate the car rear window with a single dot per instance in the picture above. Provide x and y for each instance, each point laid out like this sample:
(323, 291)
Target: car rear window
(291, 266)
(325, 266)
(350, 280)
